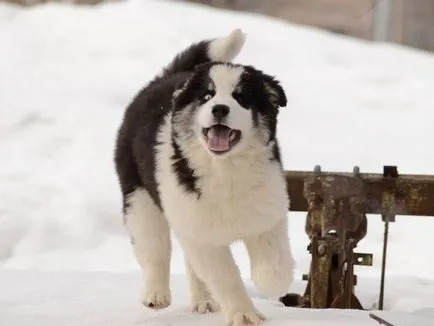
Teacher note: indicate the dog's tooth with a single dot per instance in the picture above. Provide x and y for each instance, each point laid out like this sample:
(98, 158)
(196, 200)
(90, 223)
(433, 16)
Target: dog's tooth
(232, 136)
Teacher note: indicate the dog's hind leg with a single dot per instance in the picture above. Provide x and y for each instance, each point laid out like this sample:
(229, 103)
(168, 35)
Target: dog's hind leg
(218, 270)
(271, 260)
(150, 238)
(201, 299)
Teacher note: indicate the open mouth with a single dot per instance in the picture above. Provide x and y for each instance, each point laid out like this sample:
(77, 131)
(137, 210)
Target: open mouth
(221, 138)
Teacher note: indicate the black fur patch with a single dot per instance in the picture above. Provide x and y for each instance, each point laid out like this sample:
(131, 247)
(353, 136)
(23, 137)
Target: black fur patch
(187, 60)
(185, 175)
(136, 139)
(276, 153)
(263, 95)
(195, 89)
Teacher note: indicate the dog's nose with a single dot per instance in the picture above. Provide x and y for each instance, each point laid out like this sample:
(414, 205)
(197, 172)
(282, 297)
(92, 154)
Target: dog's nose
(219, 111)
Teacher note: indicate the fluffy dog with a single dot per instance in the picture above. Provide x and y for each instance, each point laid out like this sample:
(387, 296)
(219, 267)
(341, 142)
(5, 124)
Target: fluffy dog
(197, 154)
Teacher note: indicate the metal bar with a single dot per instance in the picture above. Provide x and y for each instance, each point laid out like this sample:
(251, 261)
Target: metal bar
(383, 266)
(414, 193)
(389, 199)
(380, 320)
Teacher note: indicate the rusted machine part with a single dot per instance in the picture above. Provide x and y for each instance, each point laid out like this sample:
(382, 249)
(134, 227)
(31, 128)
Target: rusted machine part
(335, 202)
(414, 193)
(319, 274)
(390, 174)
(343, 295)
(387, 194)
(335, 223)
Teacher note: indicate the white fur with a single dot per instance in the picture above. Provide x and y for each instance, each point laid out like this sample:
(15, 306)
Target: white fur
(150, 237)
(225, 80)
(217, 268)
(201, 298)
(243, 197)
(271, 262)
(227, 48)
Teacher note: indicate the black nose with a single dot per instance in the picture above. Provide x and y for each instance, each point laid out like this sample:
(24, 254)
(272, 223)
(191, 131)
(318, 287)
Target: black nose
(220, 111)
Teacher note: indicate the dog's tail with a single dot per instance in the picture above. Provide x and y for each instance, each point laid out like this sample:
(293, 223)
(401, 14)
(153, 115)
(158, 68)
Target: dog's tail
(223, 48)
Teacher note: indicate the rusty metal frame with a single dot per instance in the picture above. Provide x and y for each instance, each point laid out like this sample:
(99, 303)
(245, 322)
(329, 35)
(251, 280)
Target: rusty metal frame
(414, 193)
(339, 202)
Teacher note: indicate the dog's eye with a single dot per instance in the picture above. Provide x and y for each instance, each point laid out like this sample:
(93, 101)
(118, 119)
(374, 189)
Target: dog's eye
(207, 96)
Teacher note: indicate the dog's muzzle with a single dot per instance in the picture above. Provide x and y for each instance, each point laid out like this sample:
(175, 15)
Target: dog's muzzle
(220, 138)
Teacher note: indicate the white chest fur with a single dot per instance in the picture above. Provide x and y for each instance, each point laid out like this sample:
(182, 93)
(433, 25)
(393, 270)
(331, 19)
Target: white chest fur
(240, 196)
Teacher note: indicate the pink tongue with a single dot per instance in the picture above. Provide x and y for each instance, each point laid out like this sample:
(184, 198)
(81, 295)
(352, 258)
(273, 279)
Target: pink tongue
(218, 139)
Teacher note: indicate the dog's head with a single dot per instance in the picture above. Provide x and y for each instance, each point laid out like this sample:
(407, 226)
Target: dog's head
(226, 107)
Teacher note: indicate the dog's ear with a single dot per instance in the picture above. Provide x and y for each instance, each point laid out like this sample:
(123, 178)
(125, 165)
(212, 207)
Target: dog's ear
(179, 87)
(180, 95)
(186, 91)
(274, 91)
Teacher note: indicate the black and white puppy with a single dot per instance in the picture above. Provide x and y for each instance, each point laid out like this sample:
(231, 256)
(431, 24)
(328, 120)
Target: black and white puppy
(197, 154)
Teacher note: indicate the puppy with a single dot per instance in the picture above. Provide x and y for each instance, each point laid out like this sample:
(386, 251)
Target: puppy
(197, 154)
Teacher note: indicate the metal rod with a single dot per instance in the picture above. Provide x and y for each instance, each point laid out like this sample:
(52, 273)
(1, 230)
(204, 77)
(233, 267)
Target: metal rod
(414, 193)
(380, 320)
(383, 264)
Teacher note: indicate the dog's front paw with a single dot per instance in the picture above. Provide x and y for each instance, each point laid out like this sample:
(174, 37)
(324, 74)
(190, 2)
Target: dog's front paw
(272, 279)
(205, 306)
(156, 298)
(254, 318)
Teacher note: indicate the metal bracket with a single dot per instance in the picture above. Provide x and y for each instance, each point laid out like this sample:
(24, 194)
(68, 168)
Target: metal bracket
(337, 204)
(335, 223)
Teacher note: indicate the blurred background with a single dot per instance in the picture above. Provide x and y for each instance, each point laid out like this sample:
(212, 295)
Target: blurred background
(406, 22)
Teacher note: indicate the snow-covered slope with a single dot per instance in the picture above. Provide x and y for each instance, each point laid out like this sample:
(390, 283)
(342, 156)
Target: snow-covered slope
(66, 74)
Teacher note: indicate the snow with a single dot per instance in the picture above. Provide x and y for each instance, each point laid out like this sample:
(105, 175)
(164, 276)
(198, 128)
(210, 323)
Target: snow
(104, 298)
(66, 75)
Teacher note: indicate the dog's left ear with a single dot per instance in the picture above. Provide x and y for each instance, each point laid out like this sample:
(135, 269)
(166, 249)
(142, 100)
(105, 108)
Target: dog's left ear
(179, 98)
(275, 91)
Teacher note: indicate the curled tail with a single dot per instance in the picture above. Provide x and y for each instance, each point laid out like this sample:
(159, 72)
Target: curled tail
(223, 48)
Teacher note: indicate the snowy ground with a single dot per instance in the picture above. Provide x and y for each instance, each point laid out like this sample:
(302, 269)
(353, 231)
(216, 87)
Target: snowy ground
(66, 74)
